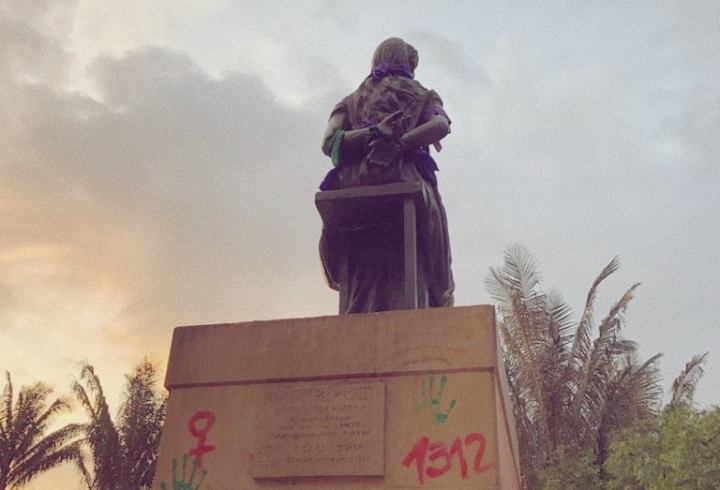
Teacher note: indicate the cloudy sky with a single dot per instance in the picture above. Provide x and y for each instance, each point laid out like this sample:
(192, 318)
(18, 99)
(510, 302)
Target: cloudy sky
(158, 162)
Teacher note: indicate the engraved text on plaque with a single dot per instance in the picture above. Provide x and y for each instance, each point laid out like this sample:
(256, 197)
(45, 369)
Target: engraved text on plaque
(320, 429)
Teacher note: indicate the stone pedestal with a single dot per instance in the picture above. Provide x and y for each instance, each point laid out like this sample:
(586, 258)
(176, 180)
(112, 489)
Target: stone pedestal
(403, 399)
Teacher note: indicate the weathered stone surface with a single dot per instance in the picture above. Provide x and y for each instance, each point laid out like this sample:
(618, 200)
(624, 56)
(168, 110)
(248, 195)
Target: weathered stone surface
(428, 392)
(320, 429)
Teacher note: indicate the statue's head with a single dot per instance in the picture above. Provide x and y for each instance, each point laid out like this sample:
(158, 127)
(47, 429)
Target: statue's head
(395, 54)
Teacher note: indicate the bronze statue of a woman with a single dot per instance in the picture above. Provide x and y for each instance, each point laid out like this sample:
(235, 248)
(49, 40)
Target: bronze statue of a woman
(380, 134)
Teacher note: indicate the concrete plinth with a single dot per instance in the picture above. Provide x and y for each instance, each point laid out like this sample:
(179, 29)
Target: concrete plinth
(402, 399)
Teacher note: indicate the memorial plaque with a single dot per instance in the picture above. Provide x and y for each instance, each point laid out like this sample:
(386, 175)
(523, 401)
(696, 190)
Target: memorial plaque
(320, 429)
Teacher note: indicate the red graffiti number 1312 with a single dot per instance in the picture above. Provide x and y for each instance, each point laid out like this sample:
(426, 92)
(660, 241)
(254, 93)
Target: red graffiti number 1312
(440, 458)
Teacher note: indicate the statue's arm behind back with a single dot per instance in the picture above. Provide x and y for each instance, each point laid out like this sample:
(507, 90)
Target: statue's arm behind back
(431, 131)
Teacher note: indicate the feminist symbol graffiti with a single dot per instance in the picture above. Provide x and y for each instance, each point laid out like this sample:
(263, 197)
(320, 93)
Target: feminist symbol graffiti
(199, 426)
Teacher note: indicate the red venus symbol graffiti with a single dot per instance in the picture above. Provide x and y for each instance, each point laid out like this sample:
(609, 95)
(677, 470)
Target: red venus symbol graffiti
(199, 426)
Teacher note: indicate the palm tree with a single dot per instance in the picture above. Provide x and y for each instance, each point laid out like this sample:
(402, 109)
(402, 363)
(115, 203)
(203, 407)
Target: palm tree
(140, 426)
(568, 390)
(123, 454)
(25, 447)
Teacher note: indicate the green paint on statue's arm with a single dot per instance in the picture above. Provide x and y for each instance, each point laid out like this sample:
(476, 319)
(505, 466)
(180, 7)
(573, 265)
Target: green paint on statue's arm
(335, 124)
(337, 140)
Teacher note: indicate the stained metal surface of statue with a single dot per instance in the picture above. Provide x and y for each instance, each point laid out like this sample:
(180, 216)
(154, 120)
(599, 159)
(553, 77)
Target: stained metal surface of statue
(382, 134)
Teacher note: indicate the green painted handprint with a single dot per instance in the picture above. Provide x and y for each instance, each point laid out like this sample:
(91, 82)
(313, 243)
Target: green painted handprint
(183, 484)
(430, 399)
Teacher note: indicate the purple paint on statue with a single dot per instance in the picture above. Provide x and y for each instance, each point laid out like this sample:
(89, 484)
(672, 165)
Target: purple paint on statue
(380, 70)
(330, 182)
(422, 159)
(383, 69)
(425, 164)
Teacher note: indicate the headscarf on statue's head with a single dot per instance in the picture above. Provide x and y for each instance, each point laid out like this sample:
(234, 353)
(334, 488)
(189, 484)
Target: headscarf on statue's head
(394, 55)
(389, 87)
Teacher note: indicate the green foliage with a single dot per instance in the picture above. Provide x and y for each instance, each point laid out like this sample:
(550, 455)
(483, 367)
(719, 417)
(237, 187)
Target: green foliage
(571, 472)
(680, 450)
(123, 454)
(25, 447)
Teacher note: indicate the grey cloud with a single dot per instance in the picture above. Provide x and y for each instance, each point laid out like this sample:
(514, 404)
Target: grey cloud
(195, 193)
(448, 57)
(32, 39)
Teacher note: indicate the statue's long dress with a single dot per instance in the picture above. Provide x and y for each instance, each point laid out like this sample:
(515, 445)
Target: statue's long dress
(375, 254)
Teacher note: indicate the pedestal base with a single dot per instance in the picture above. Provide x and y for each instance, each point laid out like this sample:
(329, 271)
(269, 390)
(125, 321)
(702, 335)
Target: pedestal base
(403, 399)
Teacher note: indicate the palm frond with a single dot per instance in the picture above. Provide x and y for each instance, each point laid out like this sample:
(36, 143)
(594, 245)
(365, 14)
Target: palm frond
(619, 308)
(594, 374)
(51, 451)
(25, 447)
(581, 344)
(647, 389)
(6, 413)
(519, 274)
(683, 387)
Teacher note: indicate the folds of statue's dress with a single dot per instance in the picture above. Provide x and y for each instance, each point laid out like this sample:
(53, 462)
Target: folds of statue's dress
(375, 253)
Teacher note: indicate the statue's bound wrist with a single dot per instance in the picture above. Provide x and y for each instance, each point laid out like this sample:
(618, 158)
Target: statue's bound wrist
(373, 132)
(402, 142)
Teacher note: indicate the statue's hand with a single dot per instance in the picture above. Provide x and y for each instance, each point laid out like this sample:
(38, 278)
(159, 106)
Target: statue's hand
(385, 146)
(391, 127)
(383, 152)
